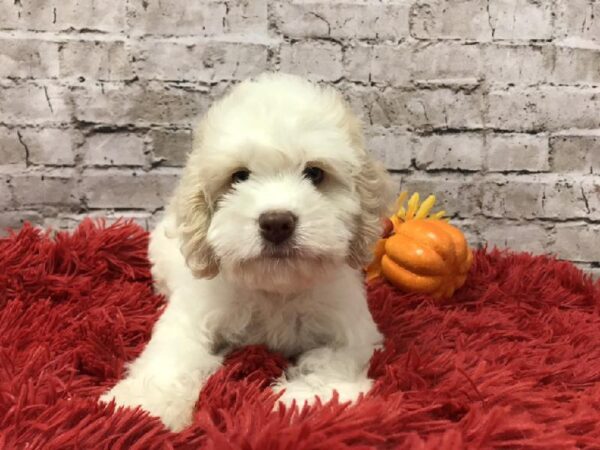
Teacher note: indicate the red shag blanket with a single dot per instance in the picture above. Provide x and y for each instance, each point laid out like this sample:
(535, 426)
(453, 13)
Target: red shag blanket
(512, 361)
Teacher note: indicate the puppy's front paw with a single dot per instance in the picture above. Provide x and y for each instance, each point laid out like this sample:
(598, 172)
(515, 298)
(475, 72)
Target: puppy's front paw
(306, 389)
(174, 412)
(296, 390)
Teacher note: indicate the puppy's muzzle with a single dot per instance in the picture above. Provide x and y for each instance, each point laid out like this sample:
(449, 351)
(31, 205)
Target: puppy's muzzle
(277, 226)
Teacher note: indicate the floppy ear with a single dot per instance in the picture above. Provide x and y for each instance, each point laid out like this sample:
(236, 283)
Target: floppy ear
(193, 213)
(375, 190)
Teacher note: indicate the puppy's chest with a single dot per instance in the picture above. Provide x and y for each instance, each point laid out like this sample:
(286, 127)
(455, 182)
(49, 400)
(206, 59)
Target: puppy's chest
(286, 329)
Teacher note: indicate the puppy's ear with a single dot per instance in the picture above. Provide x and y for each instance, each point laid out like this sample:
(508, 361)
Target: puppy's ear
(375, 189)
(193, 212)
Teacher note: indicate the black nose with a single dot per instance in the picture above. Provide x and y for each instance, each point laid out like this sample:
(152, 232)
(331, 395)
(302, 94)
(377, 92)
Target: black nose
(277, 226)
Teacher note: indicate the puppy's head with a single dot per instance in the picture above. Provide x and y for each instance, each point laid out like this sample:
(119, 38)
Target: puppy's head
(278, 189)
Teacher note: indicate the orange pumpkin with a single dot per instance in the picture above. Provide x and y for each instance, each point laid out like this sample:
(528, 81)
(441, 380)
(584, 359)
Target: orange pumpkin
(421, 252)
(426, 256)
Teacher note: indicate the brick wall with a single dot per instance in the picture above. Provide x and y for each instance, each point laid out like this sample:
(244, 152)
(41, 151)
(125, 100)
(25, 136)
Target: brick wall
(492, 104)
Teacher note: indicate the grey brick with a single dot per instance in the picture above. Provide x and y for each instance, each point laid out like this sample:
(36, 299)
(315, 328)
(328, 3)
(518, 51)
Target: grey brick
(343, 20)
(11, 150)
(208, 61)
(63, 222)
(28, 58)
(447, 19)
(531, 64)
(469, 228)
(564, 199)
(136, 104)
(419, 109)
(71, 221)
(575, 153)
(127, 189)
(521, 19)
(31, 103)
(393, 148)
(367, 103)
(577, 65)
(447, 61)
(97, 60)
(544, 108)
(6, 197)
(522, 197)
(513, 198)
(247, 17)
(52, 147)
(14, 220)
(578, 19)
(45, 188)
(456, 194)
(438, 109)
(577, 241)
(532, 238)
(391, 65)
(63, 15)
(114, 149)
(383, 64)
(518, 152)
(176, 17)
(591, 192)
(525, 64)
(450, 151)
(358, 63)
(313, 60)
(171, 147)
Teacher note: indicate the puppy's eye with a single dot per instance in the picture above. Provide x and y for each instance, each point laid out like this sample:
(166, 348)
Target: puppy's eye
(240, 175)
(314, 174)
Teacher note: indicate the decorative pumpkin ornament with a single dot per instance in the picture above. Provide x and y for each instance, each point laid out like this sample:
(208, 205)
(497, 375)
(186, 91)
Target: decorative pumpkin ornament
(421, 252)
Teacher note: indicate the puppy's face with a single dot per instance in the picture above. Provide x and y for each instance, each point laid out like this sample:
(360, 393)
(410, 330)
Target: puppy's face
(278, 193)
(284, 217)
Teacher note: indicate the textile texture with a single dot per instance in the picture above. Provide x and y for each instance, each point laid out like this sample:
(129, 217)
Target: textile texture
(511, 361)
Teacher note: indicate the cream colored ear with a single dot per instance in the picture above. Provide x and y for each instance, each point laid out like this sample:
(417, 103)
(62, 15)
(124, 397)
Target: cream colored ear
(375, 189)
(193, 214)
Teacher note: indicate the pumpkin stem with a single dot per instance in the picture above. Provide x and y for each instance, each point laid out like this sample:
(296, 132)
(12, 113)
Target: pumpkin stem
(425, 207)
(415, 210)
(400, 201)
(413, 204)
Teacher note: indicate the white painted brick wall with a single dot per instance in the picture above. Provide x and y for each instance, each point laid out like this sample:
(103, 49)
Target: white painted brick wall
(492, 104)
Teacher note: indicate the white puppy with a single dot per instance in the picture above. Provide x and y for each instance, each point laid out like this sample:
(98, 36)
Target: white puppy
(263, 243)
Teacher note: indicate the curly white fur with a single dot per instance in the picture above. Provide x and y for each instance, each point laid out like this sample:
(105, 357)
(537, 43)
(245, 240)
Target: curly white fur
(225, 290)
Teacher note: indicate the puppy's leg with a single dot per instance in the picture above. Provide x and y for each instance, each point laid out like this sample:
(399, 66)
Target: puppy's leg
(342, 365)
(320, 372)
(167, 377)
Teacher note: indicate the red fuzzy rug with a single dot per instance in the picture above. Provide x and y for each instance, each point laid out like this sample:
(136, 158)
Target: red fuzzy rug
(512, 361)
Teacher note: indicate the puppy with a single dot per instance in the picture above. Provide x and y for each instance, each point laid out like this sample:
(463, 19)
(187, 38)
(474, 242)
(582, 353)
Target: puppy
(263, 243)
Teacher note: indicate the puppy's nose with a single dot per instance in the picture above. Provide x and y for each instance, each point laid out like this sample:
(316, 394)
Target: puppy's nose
(277, 226)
